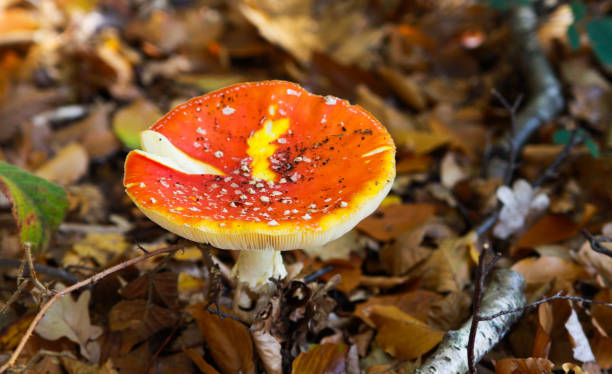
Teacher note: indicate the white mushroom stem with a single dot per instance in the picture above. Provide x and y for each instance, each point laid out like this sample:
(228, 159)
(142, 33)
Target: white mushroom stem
(256, 267)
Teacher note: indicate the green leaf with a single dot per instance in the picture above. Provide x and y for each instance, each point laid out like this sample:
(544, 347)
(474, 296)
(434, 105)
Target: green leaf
(504, 4)
(562, 136)
(573, 36)
(579, 10)
(600, 35)
(38, 205)
(130, 121)
(592, 147)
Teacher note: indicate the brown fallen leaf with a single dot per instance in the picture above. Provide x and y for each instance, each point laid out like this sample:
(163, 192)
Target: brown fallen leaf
(406, 251)
(70, 319)
(138, 321)
(523, 366)
(602, 349)
(395, 121)
(269, 350)
(69, 165)
(78, 367)
(389, 222)
(451, 312)
(406, 87)
(401, 335)
(448, 268)
(601, 313)
(412, 163)
(321, 359)
(553, 228)
(594, 262)
(103, 248)
(542, 340)
(340, 248)
(204, 366)
(228, 340)
(545, 268)
(350, 272)
(415, 303)
(12, 334)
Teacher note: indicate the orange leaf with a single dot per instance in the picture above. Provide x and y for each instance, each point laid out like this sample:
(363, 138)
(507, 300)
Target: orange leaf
(229, 341)
(389, 222)
(402, 335)
(553, 228)
(523, 366)
(13, 333)
(545, 268)
(321, 359)
(204, 366)
(416, 303)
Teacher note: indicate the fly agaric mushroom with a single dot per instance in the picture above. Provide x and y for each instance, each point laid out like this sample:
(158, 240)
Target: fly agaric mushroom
(261, 168)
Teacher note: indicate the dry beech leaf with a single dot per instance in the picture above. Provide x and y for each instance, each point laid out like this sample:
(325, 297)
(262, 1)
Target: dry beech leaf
(542, 340)
(401, 335)
(523, 366)
(350, 272)
(601, 313)
(77, 367)
(70, 319)
(595, 262)
(321, 359)
(451, 312)
(545, 268)
(12, 334)
(602, 349)
(413, 163)
(68, 165)
(554, 228)
(204, 366)
(416, 303)
(406, 251)
(187, 283)
(228, 340)
(129, 316)
(269, 350)
(103, 248)
(340, 248)
(406, 87)
(389, 222)
(448, 268)
(396, 122)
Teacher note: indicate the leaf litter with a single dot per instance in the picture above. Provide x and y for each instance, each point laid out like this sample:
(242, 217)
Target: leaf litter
(80, 80)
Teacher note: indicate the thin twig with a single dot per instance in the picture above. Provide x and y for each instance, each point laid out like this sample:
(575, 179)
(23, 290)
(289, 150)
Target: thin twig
(557, 296)
(551, 170)
(596, 243)
(85, 282)
(513, 127)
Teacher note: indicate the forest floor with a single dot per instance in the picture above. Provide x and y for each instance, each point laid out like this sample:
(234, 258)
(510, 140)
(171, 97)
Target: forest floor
(502, 127)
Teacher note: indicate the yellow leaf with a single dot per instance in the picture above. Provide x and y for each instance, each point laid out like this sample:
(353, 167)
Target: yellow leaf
(402, 335)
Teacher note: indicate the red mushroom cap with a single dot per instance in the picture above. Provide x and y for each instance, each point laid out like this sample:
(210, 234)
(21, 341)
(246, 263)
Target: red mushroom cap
(262, 165)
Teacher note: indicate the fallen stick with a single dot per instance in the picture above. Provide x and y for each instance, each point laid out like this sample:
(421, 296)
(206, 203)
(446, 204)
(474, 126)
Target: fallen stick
(505, 292)
(545, 99)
